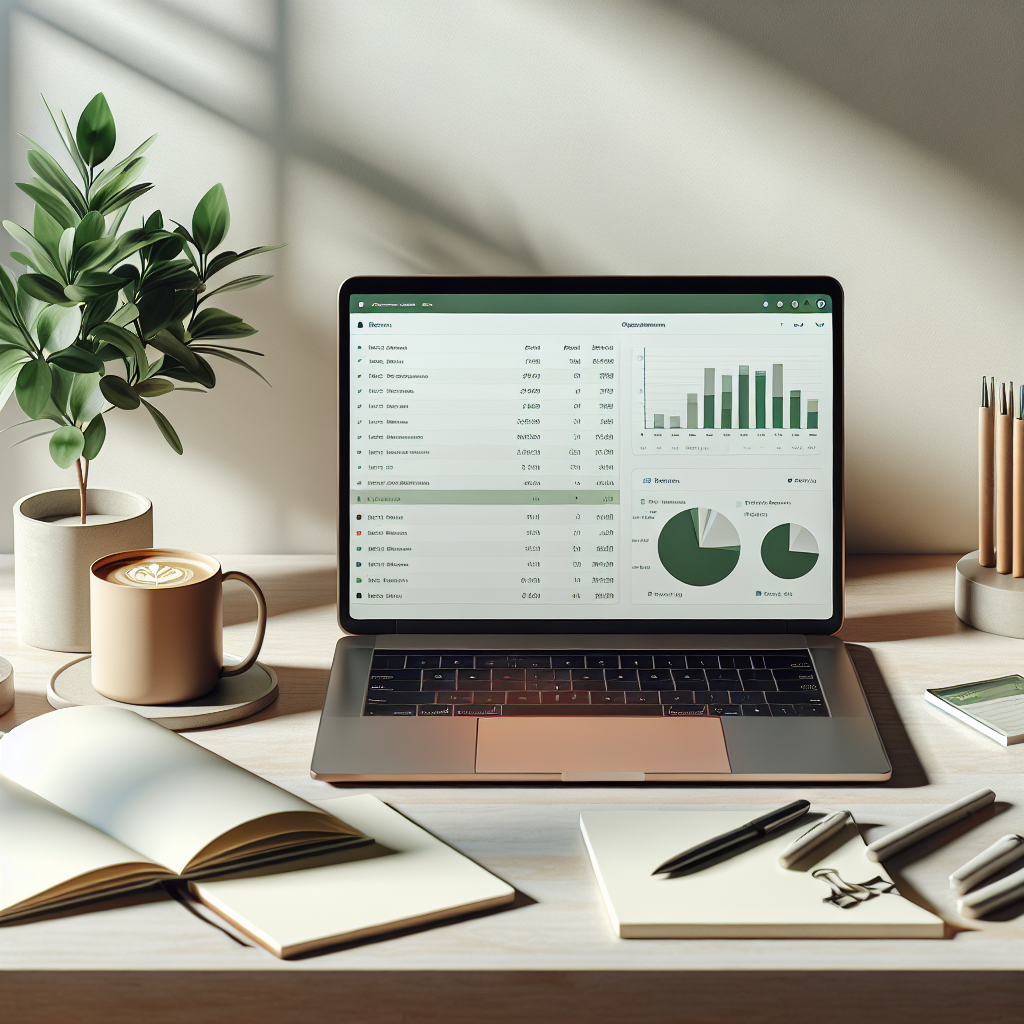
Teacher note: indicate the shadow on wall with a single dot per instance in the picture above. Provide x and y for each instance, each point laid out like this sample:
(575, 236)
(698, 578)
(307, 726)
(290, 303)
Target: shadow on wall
(565, 137)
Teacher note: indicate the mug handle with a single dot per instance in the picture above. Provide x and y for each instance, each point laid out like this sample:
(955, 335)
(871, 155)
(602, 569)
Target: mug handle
(261, 623)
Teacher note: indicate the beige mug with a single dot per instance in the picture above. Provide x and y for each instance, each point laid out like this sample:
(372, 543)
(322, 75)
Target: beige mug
(158, 625)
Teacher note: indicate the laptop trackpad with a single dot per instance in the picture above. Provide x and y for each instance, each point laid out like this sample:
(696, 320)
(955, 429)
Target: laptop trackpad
(650, 745)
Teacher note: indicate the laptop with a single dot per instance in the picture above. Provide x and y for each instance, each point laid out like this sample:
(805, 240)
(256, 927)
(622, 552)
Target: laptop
(590, 529)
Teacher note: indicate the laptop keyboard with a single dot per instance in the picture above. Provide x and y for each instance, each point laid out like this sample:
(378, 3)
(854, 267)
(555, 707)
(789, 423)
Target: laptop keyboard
(436, 684)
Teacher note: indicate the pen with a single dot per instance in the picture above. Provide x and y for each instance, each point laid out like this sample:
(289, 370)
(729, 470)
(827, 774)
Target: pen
(992, 897)
(901, 838)
(1018, 488)
(986, 474)
(1002, 852)
(813, 838)
(1004, 482)
(756, 829)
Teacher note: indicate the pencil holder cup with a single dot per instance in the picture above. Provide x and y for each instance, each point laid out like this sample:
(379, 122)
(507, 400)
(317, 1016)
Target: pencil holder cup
(988, 600)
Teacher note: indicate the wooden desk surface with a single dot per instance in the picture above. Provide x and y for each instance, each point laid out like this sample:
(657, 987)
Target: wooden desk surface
(905, 637)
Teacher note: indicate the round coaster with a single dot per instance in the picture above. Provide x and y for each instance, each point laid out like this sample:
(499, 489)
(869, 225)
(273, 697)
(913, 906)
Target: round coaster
(232, 698)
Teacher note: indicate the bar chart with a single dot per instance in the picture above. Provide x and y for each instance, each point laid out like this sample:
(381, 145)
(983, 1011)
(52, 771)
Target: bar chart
(711, 404)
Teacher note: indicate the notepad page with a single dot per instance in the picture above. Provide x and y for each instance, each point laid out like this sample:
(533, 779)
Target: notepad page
(749, 895)
(1004, 714)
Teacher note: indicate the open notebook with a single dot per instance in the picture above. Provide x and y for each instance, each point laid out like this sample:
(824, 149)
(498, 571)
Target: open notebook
(98, 800)
(749, 895)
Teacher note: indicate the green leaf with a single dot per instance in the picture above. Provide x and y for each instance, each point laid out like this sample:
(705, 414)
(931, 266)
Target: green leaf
(130, 274)
(165, 342)
(85, 400)
(66, 445)
(211, 220)
(33, 388)
(132, 241)
(51, 201)
(60, 393)
(117, 183)
(8, 289)
(47, 232)
(176, 274)
(95, 435)
(170, 435)
(96, 134)
(93, 284)
(225, 259)
(155, 311)
(119, 392)
(154, 387)
(11, 362)
(201, 374)
(99, 255)
(40, 258)
(28, 305)
(124, 315)
(77, 360)
(91, 227)
(98, 312)
(238, 284)
(57, 327)
(46, 289)
(125, 342)
(66, 252)
(54, 175)
(231, 358)
(216, 323)
(69, 143)
(110, 172)
(123, 198)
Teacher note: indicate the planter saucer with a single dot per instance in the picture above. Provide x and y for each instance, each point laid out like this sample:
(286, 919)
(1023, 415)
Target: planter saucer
(232, 698)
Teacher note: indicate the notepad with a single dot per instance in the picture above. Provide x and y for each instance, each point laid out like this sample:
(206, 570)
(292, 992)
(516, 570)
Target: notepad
(407, 877)
(749, 895)
(995, 707)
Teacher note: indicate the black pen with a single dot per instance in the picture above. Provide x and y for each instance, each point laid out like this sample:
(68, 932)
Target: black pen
(756, 829)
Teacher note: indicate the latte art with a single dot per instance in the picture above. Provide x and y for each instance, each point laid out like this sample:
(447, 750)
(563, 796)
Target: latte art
(157, 569)
(155, 573)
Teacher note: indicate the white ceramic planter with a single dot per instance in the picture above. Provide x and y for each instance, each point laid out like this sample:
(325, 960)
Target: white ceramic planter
(6, 686)
(53, 552)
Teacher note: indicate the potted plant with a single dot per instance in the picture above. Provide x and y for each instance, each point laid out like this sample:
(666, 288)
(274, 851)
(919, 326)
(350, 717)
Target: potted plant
(106, 319)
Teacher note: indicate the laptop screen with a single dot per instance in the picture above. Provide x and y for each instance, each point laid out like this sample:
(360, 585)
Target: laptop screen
(651, 459)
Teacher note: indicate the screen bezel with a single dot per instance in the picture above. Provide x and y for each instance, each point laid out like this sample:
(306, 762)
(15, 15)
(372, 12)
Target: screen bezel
(590, 285)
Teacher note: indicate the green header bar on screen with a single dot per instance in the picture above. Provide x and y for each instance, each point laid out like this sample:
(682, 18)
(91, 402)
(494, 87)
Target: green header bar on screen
(629, 304)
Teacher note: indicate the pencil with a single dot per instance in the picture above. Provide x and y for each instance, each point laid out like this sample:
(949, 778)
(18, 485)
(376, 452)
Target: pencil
(1018, 487)
(1004, 483)
(986, 476)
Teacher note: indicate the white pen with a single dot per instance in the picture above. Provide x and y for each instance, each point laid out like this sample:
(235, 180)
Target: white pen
(901, 838)
(1002, 852)
(813, 838)
(991, 897)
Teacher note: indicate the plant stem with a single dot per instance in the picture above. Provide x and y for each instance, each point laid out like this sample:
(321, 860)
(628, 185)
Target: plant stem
(81, 488)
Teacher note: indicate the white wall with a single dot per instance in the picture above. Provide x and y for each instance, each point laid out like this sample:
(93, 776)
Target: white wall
(520, 136)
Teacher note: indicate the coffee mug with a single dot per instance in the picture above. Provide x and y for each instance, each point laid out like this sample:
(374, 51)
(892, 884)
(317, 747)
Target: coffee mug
(158, 624)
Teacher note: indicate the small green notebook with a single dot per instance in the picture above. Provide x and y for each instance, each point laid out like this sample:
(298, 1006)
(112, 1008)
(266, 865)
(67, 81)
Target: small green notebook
(995, 707)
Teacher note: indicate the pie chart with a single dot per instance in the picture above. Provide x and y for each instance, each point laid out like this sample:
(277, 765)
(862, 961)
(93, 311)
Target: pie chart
(699, 547)
(789, 551)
